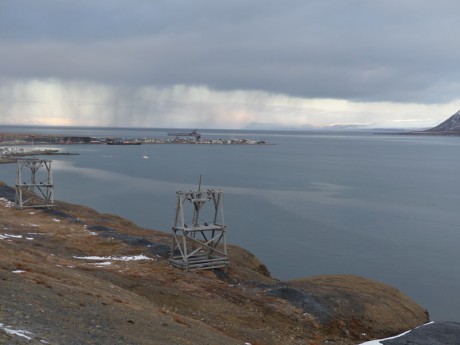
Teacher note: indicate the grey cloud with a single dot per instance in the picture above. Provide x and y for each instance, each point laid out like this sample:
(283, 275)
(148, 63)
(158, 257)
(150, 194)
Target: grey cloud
(357, 50)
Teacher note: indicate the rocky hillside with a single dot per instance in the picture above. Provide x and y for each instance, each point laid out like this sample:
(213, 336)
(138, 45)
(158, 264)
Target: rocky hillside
(74, 276)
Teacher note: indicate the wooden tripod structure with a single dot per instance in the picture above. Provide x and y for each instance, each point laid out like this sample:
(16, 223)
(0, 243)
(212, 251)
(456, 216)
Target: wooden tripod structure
(37, 190)
(199, 245)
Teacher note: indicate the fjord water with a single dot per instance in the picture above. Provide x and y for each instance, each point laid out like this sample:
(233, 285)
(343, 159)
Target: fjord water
(380, 206)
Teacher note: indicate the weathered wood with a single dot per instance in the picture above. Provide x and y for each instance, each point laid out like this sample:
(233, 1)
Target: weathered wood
(31, 191)
(197, 244)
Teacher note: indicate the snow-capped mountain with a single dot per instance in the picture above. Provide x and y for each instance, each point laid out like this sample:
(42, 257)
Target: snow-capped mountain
(450, 126)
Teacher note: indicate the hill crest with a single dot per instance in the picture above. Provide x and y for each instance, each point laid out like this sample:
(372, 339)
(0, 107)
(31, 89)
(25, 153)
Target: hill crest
(71, 275)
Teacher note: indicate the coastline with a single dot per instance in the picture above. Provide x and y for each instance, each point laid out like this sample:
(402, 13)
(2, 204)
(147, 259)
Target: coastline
(76, 265)
(10, 155)
(19, 139)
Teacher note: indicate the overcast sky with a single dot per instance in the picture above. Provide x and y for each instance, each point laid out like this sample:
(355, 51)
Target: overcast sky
(229, 64)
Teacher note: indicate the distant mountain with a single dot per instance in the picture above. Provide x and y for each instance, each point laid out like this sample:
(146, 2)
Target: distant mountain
(449, 127)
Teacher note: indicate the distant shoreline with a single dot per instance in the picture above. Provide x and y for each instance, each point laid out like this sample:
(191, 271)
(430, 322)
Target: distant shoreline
(422, 133)
(440, 134)
(17, 139)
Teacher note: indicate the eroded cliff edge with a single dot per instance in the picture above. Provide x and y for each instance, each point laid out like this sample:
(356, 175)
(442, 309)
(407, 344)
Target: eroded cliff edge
(128, 294)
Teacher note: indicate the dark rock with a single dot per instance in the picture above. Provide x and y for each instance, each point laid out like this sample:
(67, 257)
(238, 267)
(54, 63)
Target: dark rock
(8, 193)
(159, 249)
(309, 303)
(62, 215)
(100, 228)
(154, 248)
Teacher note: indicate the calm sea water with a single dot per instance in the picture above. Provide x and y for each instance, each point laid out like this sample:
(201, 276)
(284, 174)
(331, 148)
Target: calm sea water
(381, 206)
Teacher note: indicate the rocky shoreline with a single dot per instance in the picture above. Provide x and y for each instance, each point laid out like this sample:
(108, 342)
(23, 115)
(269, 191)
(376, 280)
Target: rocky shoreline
(71, 275)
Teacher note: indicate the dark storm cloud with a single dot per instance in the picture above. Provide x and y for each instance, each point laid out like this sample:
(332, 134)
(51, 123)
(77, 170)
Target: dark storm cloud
(403, 51)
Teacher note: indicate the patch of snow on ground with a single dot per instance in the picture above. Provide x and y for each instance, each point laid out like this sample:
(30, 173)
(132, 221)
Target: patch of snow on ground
(104, 263)
(7, 202)
(115, 258)
(378, 342)
(2, 237)
(17, 332)
(18, 271)
(56, 220)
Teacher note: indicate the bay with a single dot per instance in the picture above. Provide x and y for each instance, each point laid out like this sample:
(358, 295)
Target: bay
(380, 206)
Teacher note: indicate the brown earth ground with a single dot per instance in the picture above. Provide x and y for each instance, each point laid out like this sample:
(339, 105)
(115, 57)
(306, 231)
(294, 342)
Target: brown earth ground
(50, 296)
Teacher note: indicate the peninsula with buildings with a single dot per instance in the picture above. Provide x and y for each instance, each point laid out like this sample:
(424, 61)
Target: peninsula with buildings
(15, 145)
(192, 137)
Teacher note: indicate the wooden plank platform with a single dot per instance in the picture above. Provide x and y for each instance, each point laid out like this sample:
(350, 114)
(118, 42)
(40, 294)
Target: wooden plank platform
(209, 227)
(198, 262)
